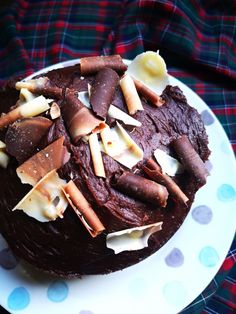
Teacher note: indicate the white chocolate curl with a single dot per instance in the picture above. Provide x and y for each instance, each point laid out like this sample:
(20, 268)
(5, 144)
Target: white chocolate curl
(132, 99)
(118, 144)
(4, 159)
(131, 239)
(150, 68)
(29, 109)
(46, 201)
(96, 156)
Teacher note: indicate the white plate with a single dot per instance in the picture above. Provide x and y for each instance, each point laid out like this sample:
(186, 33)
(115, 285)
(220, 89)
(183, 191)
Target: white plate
(167, 281)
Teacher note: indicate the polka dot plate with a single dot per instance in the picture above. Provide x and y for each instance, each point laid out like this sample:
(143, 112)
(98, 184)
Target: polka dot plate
(164, 283)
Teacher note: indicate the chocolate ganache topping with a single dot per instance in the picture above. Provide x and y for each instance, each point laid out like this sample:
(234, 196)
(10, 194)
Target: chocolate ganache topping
(107, 178)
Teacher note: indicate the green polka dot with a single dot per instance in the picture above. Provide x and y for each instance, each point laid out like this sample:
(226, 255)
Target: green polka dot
(208, 256)
(175, 293)
(226, 193)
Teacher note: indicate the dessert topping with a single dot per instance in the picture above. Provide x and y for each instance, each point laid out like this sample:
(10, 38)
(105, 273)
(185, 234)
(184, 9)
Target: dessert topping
(91, 65)
(23, 136)
(42, 86)
(120, 115)
(132, 99)
(26, 95)
(102, 91)
(96, 155)
(29, 109)
(169, 165)
(190, 158)
(113, 111)
(55, 111)
(51, 157)
(83, 209)
(79, 119)
(45, 201)
(4, 159)
(153, 170)
(131, 239)
(150, 68)
(148, 93)
(118, 144)
(140, 188)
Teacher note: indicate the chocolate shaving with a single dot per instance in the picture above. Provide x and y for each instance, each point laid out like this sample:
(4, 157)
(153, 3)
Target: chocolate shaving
(102, 91)
(51, 157)
(148, 93)
(91, 65)
(23, 137)
(42, 86)
(190, 158)
(83, 209)
(79, 119)
(141, 188)
(153, 170)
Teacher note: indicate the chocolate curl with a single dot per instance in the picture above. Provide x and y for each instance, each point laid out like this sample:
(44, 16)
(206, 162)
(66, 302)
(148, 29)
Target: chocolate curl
(148, 93)
(42, 86)
(24, 136)
(79, 119)
(102, 91)
(83, 209)
(29, 109)
(91, 65)
(51, 157)
(153, 170)
(141, 188)
(190, 158)
(132, 99)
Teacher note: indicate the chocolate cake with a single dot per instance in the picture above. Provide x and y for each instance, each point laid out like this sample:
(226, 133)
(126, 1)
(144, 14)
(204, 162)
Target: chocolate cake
(111, 196)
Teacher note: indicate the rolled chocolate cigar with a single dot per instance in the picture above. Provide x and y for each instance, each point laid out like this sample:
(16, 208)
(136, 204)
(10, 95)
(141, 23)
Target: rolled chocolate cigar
(83, 209)
(102, 91)
(190, 158)
(141, 188)
(79, 119)
(91, 65)
(153, 170)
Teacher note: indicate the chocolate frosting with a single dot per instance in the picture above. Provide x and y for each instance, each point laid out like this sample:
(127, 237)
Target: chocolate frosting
(64, 247)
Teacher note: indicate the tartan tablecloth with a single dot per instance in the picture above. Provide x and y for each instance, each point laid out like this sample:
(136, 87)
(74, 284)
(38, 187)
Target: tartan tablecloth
(197, 38)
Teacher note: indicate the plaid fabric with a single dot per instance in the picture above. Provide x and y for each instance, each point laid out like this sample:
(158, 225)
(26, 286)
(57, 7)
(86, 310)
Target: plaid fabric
(196, 38)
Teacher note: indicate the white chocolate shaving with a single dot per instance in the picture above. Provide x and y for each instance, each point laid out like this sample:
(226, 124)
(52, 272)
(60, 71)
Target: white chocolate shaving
(84, 98)
(96, 155)
(2, 146)
(34, 107)
(55, 111)
(4, 159)
(131, 239)
(46, 201)
(118, 114)
(150, 68)
(132, 99)
(169, 165)
(32, 84)
(118, 144)
(26, 95)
